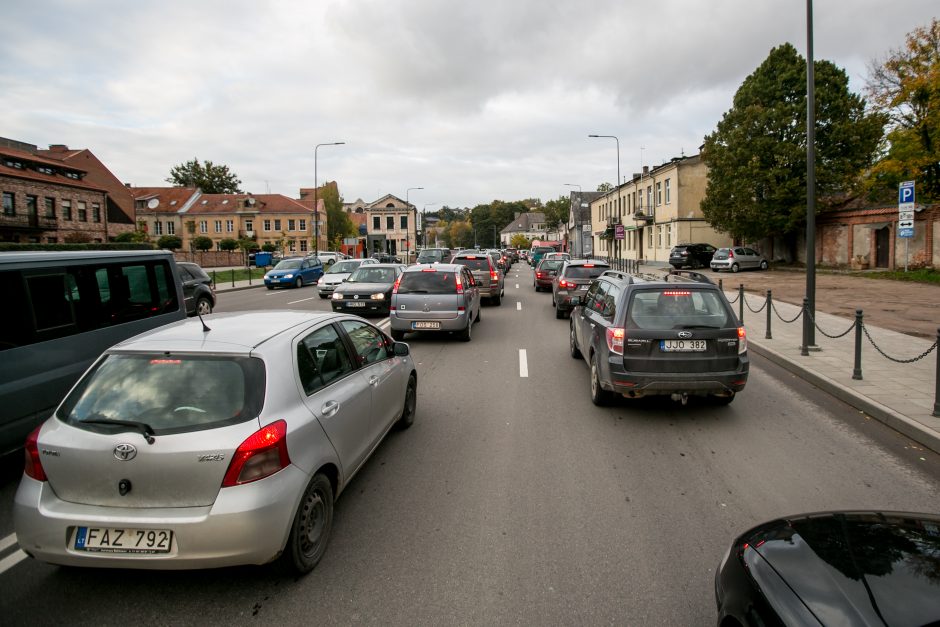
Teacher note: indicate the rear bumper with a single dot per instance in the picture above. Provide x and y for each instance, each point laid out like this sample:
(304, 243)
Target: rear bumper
(447, 324)
(630, 383)
(246, 524)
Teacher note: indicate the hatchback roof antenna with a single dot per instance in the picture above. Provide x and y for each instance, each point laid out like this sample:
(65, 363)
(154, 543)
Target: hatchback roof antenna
(205, 329)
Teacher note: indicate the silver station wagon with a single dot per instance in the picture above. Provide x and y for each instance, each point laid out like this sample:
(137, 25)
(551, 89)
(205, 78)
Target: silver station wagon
(434, 298)
(192, 446)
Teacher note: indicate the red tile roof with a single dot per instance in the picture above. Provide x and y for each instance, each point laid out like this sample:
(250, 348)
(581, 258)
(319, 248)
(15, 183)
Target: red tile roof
(264, 204)
(33, 175)
(171, 199)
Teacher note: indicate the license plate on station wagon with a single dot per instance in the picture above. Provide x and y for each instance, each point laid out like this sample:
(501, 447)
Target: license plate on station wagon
(682, 346)
(118, 540)
(426, 324)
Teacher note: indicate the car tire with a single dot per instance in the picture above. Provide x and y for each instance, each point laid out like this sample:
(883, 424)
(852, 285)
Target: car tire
(722, 400)
(270, 287)
(203, 306)
(573, 342)
(411, 403)
(313, 522)
(324, 296)
(735, 267)
(299, 282)
(398, 336)
(466, 334)
(479, 313)
(497, 300)
(599, 396)
(559, 313)
(763, 264)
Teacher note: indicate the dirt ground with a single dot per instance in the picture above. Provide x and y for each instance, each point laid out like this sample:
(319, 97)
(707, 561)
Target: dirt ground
(911, 308)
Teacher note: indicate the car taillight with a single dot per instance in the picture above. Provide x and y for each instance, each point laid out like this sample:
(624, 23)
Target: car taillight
(615, 337)
(494, 276)
(565, 284)
(459, 285)
(730, 254)
(261, 455)
(33, 466)
(397, 282)
(538, 275)
(742, 340)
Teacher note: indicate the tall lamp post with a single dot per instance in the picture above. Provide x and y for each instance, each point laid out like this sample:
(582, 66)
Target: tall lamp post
(316, 205)
(577, 221)
(408, 207)
(617, 187)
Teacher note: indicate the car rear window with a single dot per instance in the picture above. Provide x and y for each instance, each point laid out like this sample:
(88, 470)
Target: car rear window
(424, 282)
(551, 264)
(480, 263)
(430, 256)
(170, 393)
(677, 308)
(585, 272)
(721, 253)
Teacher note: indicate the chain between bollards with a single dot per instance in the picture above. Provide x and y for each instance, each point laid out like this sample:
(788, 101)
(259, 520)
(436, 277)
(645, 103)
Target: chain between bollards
(770, 305)
(857, 371)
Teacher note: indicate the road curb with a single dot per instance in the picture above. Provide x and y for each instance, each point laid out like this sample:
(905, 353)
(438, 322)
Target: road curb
(237, 288)
(899, 422)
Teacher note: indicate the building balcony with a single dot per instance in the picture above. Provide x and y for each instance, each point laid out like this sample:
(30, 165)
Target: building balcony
(641, 216)
(28, 223)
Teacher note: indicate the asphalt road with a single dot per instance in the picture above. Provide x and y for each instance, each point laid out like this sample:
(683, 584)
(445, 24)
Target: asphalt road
(513, 500)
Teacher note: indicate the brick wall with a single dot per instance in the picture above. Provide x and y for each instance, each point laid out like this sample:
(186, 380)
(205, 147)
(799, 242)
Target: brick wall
(13, 228)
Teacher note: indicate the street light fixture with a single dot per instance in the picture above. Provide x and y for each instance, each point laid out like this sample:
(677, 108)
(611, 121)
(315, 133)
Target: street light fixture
(408, 208)
(617, 186)
(580, 250)
(316, 206)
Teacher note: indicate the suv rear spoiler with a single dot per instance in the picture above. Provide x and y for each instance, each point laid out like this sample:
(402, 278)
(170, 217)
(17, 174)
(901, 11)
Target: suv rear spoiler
(691, 275)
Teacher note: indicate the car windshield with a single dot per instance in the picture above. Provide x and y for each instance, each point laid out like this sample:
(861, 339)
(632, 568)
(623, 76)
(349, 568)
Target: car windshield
(425, 282)
(366, 274)
(344, 267)
(677, 308)
(170, 393)
(474, 263)
(585, 272)
(288, 264)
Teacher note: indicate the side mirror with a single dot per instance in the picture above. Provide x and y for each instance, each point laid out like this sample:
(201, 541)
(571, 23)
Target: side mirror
(575, 301)
(401, 349)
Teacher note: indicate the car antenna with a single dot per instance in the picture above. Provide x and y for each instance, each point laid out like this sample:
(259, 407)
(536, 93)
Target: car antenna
(205, 329)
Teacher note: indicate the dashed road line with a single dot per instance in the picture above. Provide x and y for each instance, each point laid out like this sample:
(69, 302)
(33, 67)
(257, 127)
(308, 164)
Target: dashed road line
(302, 300)
(518, 306)
(523, 363)
(7, 542)
(12, 560)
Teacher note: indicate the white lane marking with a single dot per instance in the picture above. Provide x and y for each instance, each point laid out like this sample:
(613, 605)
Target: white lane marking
(299, 301)
(517, 285)
(518, 306)
(384, 324)
(7, 542)
(523, 364)
(12, 560)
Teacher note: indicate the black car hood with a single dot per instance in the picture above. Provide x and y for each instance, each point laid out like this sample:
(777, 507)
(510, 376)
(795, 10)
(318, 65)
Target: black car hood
(852, 567)
(363, 288)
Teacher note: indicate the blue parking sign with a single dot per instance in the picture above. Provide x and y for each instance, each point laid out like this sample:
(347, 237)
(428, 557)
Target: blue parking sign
(906, 196)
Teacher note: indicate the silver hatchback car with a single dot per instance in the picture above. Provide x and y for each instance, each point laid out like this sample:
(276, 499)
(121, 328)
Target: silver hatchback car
(738, 258)
(192, 446)
(435, 297)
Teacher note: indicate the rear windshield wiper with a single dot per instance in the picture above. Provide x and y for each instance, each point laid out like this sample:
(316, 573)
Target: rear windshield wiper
(141, 427)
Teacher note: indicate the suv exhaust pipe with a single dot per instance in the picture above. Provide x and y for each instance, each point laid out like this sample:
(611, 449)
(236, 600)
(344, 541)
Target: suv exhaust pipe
(683, 398)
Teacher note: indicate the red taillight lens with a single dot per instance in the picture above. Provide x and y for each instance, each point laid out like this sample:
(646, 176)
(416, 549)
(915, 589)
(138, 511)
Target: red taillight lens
(677, 293)
(397, 282)
(261, 455)
(742, 340)
(615, 336)
(538, 275)
(459, 285)
(494, 276)
(33, 466)
(730, 254)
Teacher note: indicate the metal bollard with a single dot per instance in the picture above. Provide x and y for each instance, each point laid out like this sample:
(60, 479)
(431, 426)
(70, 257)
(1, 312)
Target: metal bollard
(233, 277)
(214, 282)
(741, 303)
(857, 371)
(804, 349)
(769, 304)
(936, 392)
(721, 286)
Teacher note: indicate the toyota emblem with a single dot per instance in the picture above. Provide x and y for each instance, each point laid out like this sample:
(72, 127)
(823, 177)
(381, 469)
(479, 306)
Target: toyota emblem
(125, 452)
(685, 334)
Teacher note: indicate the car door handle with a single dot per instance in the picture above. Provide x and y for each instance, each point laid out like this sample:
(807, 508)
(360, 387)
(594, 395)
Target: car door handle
(329, 408)
(373, 380)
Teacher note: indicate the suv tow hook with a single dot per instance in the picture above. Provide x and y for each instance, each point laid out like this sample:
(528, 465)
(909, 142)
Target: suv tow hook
(684, 398)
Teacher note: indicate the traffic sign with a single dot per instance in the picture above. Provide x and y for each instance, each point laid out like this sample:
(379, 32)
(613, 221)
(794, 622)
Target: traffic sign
(906, 233)
(906, 196)
(619, 232)
(905, 215)
(905, 224)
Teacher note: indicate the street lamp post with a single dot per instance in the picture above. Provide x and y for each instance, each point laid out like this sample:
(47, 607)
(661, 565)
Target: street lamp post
(577, 221)
(316, 207)
(408, 208)
(617, 187)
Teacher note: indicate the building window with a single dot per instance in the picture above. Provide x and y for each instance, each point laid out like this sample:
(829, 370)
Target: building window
(31, 205)
(668, 192)
(218, 226)
(404, 223)
(50, 207)
(390, 223)
(659, 236)
(303, 245)
(659, 193)
(229, 226)
(303, 225)
(249, 225)
(649, 240)
(158, 228)
(267, 225)
(171, 228)
(669, 236)
(291, 246)
(67, 210)
(82, 211)
(291, 224)
(376, 223)
(649, 196)
(9, 204)
(95, 212)
(203, 226)
(277, 225)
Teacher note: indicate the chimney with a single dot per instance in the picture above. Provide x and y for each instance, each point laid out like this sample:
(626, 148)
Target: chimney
(646, 170)
(58, 148)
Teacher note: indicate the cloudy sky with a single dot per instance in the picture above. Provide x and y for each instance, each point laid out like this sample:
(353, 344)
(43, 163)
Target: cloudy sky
(473, 101)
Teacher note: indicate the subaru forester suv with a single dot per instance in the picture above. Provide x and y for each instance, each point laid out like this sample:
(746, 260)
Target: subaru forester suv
(677, 337)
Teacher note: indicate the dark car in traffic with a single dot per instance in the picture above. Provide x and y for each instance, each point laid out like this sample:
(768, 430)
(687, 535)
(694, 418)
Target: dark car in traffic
(368, 290)
(573, 280)
(833, 568)
(676, 337)
(198, 291)
(691, 256)
(545, 273)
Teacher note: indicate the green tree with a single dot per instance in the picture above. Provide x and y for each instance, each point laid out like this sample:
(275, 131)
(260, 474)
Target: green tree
(338, 223)
(210, 178)
(202, 243)
(135, 236)
(520, 241)
(228, 244)
(905, 87)
(170, 242)
(556, 211)
(756, 156)
(268, 247)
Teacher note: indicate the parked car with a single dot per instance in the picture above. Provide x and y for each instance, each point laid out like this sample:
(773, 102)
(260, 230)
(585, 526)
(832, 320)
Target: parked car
(738, 258)
(573, 280)
(337, 273)
(486, 275)
(328, 258)
(691, 255)
(385, 258)
(679, 338)
(198, 291)
(188, 447)
(294, 272)
(545, 273)
(435, 298)
(368, 290)
(833, 568)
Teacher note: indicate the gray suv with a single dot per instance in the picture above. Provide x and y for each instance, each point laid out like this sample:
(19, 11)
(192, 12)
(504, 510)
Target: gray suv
(486, 274)
(434, 298)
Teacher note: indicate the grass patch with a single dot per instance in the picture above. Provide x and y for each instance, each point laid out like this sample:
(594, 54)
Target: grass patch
(920, 275)
(223, 277)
